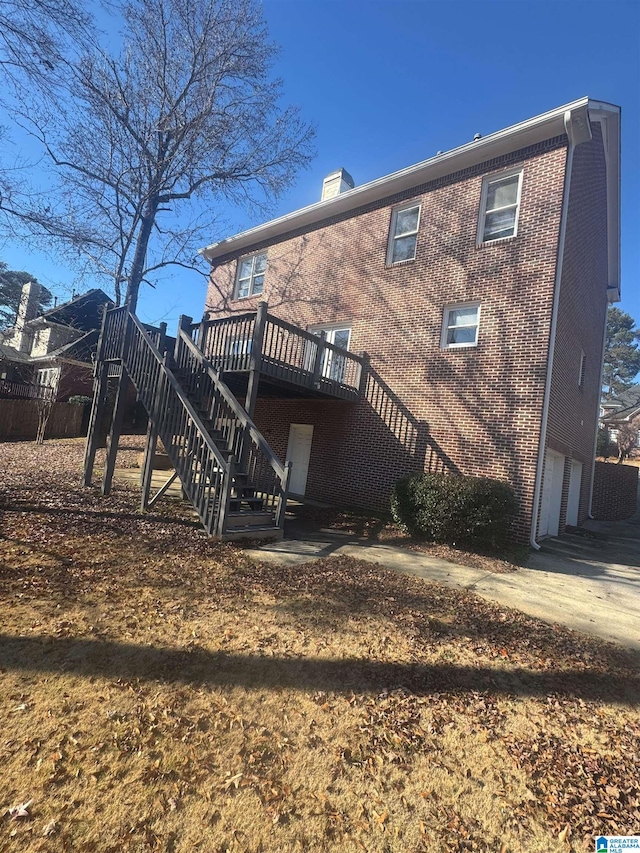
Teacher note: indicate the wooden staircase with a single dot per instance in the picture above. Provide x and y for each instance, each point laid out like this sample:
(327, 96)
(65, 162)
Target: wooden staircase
(236, 484)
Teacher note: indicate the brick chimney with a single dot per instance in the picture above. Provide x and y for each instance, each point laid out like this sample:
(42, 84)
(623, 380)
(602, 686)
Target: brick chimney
(27, 310)
(337, 182)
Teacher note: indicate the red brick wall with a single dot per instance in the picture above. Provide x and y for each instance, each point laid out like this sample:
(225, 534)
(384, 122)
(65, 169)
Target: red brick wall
(582, 308)
(615, 491)
(473, 410)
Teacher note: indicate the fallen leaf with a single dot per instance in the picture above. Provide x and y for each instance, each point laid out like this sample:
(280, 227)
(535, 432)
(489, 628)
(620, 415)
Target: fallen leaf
(20, 811)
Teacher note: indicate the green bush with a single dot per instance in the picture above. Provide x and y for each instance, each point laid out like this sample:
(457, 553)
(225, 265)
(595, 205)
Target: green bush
(80, 400)
(455, 509)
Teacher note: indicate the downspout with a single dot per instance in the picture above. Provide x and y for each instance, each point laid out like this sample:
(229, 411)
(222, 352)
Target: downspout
(568, 124)
(595, 439)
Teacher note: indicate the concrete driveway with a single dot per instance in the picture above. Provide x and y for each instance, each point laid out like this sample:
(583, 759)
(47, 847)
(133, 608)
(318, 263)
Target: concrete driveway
(589, 581)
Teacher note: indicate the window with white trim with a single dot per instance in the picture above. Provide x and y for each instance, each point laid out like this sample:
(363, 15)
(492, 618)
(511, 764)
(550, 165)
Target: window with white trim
(250, 275)
(403, 234)
(460, 325)
(499, 207)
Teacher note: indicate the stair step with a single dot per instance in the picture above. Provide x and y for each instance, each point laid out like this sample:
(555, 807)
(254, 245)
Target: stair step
(269, 532)
(236, 520)
(235, 504)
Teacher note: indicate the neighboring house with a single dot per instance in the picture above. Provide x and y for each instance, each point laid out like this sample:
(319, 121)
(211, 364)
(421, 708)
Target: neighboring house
(623, 427)
(477, 284)
(51, 353)
(611, 404)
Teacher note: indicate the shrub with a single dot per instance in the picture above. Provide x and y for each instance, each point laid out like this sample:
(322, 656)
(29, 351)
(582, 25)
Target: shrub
(454, 509)
(80, 400)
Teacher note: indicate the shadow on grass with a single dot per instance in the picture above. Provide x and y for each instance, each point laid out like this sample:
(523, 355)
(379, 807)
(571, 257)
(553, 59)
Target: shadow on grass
(87, 658)
(69, 511)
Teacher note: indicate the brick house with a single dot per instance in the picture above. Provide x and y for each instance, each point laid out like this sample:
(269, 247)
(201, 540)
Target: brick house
(52, 351)
(477, 284)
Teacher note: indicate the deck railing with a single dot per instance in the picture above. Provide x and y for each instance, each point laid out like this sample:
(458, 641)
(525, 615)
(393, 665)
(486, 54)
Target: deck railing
(218, 406)
(286, 353)
(26, 390)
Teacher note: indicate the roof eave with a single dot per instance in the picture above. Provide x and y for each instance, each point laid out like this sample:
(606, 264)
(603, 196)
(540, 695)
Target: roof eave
(513, 138)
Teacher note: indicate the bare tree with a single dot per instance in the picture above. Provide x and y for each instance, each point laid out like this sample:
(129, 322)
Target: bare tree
(35, 36)
(627, 438)
(184, 115)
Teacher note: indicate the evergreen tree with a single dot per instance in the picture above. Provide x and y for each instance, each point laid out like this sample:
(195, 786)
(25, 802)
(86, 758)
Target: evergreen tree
(621, 353)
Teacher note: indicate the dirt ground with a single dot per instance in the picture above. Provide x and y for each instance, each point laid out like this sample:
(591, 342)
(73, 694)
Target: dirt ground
(163, 692)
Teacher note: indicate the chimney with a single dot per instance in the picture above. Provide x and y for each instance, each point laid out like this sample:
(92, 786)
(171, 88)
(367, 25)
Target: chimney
(27, 310)
(337, 182)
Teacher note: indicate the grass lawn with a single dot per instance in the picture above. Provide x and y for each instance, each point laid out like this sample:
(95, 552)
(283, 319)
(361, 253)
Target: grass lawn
(162, 692)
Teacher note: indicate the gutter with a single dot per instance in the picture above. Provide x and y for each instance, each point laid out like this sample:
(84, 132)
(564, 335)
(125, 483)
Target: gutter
(513, 138)
(577, 132)
(595, 438)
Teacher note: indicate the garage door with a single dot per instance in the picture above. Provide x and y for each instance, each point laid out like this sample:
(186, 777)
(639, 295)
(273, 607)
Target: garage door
(551, 494)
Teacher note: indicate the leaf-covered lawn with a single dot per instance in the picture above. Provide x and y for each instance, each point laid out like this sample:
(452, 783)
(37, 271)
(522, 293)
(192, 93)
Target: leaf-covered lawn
(162, 692)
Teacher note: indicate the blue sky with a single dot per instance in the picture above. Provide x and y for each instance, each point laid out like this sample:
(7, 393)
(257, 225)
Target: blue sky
(387, 83)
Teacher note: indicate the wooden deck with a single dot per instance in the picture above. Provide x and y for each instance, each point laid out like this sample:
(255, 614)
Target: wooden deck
(280, 352)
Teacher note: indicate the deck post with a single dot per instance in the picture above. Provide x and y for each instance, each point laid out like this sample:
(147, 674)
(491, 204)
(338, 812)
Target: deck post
(183, 322)
(152, 439)
(282, 506)
(317, 364)
(95, 419)
(202, 332)
(101, 382)
(162, 338)
(225, 496)
(255, 359)
(118, 412)
(364, 372)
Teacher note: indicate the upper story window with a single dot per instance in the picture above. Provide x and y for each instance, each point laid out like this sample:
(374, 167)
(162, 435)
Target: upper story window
(250, 275)
(403, 235)
(460, 325)
(499, 207)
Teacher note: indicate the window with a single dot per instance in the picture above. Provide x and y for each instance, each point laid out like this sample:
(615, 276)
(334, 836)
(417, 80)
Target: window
(460, 325)
(250, 276)
(48, 377)
(403, 235)
(583, 367)
(499, 207)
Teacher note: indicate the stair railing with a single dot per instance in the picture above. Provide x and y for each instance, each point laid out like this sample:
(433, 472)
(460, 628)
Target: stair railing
(218, 406)
(204, 472)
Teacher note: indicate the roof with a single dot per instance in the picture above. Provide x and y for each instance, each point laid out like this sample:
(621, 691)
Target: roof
(625, 414)
(81, 349)
(570, 118)
(83, 312)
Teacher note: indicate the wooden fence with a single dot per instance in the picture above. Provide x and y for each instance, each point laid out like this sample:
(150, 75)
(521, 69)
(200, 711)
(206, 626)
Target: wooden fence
(19, 419)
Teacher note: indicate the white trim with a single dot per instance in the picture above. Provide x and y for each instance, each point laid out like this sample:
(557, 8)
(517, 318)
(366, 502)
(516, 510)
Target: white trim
(595, 432)
(486, 181)
(455, 306)
(393, 236)
(522, 135)
(252, 257)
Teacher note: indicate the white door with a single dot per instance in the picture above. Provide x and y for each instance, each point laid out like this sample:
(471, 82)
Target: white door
(551, 494)
(334, 363)
(575, 483)
(299, 453)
